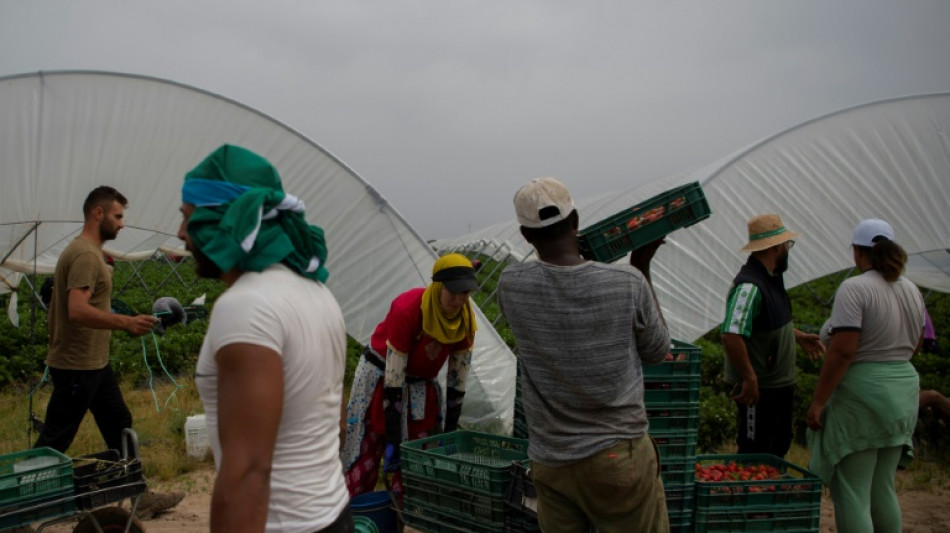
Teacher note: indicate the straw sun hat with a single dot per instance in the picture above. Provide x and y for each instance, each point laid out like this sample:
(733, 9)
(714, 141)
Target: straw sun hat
(766, 231)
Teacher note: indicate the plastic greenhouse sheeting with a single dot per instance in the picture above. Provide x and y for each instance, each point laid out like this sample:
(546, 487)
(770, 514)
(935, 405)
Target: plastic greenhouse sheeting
(64, 133)
(887, 159)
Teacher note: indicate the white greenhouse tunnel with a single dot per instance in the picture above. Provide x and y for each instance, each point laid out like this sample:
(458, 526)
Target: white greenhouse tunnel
(65, 133)
(888, 160)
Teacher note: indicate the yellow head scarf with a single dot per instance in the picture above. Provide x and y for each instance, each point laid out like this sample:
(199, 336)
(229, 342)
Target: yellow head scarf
(435, 322)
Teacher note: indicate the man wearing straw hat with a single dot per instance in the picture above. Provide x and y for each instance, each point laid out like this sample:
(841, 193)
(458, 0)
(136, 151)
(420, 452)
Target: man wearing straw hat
(759, 340)
(270, 370)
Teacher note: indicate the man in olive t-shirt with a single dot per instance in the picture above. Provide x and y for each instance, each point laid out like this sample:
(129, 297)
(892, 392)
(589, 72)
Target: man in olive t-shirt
(72, 346)
(80, 326)
(81, 323)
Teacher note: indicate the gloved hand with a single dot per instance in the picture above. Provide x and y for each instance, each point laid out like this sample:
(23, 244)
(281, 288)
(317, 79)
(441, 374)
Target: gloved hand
(453, 408)
(391, 461)
(392, 408)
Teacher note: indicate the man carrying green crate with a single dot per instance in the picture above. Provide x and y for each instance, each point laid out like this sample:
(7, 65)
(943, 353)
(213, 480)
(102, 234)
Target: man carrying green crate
(584, 330)
(759, 339)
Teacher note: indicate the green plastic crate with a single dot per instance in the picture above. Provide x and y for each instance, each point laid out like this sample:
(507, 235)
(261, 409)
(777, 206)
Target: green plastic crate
(677, 471)
(679, 496)
(681, 521)
(19, 480)
(466, 459)
(615, 236)
(425, 517)
(686, 363)
(432, 519)
(677, 446)
(103, 478)
(799, 519)
(25, 511)
(674, 417)
(522, 524)
(661, 393)
(520, 493)
(444, 496)
(520, 430)
(796, 486)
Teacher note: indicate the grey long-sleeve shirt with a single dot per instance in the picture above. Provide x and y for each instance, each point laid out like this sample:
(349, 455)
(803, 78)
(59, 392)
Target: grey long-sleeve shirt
(582, 334)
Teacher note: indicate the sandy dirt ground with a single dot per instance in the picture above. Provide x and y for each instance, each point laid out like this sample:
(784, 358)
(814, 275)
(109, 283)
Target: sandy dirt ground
(924, 511)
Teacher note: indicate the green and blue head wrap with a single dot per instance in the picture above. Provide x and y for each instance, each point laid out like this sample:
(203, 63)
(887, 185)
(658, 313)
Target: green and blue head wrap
(244, 220)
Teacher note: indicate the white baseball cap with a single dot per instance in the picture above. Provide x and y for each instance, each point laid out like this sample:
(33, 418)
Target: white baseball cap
(541, 194)
(870, 229)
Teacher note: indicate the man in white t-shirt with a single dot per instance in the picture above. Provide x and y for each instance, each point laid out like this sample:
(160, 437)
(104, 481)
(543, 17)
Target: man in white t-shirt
(270, 371)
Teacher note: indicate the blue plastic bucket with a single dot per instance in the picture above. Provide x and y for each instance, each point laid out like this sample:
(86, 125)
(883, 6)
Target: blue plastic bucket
(377, 506)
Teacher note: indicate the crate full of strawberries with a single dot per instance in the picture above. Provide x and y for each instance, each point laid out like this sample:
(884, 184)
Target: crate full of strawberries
(755, 492)
(753, 480)
(615, 236)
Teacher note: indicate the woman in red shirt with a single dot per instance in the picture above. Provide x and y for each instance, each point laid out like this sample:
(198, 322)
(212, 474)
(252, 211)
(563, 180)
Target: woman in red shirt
(395, 394)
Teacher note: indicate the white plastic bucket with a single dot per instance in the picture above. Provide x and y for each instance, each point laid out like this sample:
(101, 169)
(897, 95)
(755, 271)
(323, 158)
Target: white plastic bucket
(196, 437)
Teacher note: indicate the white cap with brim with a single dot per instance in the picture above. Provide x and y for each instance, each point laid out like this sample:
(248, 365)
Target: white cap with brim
(542, 194)
(868, 230)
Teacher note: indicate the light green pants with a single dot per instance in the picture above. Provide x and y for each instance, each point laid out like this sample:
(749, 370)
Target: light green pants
(618, 490)
(864, 494)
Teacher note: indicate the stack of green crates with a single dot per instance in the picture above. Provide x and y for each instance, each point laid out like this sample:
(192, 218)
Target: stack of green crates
(457, 482)
(520, 423)
(34, 485)
(789, 502)
(671, 395)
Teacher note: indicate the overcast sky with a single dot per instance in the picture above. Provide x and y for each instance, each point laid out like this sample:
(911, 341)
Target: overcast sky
(447, 107)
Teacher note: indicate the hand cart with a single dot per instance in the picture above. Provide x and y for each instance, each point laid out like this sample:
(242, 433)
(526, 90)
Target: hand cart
(80, 490)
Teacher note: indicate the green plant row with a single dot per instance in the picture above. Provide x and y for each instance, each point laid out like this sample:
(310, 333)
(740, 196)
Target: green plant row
(136, 286)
